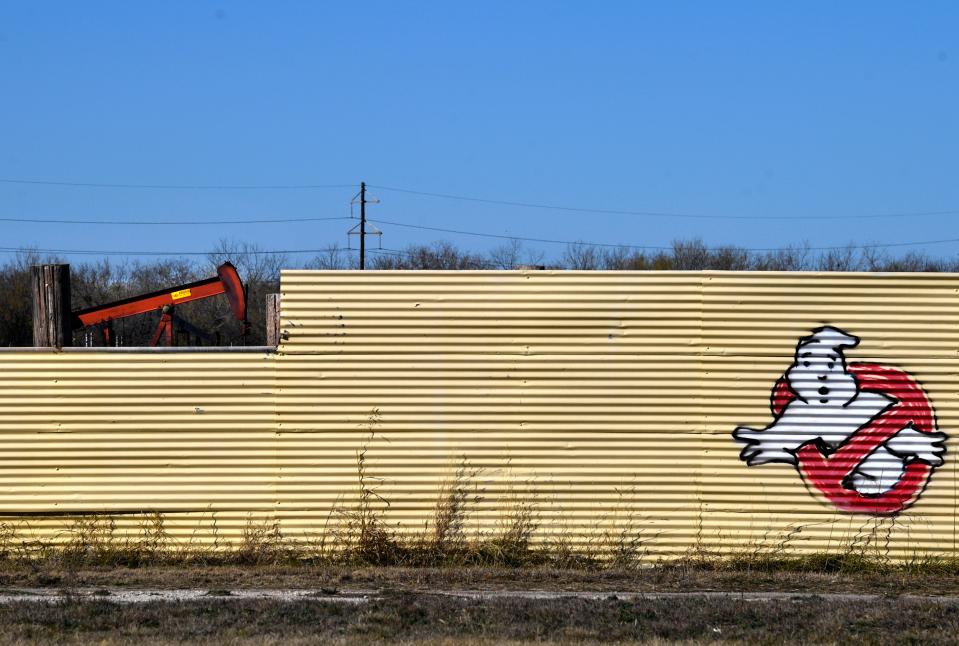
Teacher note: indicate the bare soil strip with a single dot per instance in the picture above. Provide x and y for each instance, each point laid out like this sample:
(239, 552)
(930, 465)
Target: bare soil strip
(307, 604)
(151, 595)
(335, 580)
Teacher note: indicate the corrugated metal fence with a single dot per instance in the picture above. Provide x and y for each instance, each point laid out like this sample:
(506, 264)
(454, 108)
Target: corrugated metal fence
(600, 398)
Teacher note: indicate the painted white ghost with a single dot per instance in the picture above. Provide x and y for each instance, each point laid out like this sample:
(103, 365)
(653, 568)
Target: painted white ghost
(829, 408)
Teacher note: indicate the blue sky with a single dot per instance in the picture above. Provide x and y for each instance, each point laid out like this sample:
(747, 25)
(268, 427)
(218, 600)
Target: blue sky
(763, 110)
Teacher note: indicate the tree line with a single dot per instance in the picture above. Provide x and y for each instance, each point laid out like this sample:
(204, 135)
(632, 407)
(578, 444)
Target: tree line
(102, 280)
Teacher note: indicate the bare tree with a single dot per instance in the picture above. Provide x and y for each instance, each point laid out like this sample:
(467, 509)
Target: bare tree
(618, 258)
(874, 259)
(915, 261)
(581, 256)
(334, 257)
(439, 255)
(785, 259)
(840, 259)
(729, 258)
(690, 255)
(507, 256)
(16, 307)
(254, 264)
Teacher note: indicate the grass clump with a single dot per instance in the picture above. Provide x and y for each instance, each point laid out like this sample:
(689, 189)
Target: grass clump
(456, 495)
(444, 539)
(511, 543)
(93, 540)
(624, 543)
(261, 543)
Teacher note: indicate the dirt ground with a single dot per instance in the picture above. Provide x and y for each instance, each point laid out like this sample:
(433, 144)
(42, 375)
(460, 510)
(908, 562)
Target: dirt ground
(665, 579)
(405, 605)
(403, 617)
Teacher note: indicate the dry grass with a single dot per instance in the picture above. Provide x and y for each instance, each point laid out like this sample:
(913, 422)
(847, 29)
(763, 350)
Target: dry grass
(447, 533)
(362, 534)
(418, 618)
(359, 534)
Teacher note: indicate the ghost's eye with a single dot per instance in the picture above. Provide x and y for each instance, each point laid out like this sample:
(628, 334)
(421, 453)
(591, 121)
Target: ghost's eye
(805, 364)
(830, 365)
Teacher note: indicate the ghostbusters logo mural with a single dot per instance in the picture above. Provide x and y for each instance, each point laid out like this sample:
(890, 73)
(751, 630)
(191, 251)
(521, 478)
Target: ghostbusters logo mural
(862, 434)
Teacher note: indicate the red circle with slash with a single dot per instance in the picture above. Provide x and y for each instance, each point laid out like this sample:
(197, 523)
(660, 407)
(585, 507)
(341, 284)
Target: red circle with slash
(826, 472)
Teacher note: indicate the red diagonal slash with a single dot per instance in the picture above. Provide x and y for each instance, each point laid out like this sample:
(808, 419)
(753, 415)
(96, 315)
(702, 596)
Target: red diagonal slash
(827, 472)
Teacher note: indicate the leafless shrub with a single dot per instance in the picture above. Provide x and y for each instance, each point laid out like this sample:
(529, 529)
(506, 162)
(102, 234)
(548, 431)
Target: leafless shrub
(8, 541)
(90, 540)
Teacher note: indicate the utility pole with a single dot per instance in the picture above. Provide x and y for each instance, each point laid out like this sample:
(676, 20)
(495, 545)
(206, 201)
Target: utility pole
(362, 225)
(360, 229)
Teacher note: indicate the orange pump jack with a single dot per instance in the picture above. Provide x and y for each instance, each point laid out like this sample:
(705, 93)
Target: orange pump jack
(227, 281)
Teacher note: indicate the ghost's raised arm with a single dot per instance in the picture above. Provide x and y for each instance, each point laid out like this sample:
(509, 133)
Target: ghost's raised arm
(765, 446)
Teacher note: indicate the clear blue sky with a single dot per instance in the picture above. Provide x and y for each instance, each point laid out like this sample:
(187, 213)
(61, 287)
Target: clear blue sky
(751, 109)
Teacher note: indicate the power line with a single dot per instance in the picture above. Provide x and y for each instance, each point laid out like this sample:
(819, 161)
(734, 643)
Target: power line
(649, 247)
(390, 252)
(399, 252)
(187, 187)
(96, 252)
(170, 222)
(337, 250)
(380, 250)
(660, 214)
(499, 202)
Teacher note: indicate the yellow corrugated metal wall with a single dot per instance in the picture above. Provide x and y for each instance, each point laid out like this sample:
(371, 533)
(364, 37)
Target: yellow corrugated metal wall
(600, 398)
(190, 435)
(600, 395)
(565, 387)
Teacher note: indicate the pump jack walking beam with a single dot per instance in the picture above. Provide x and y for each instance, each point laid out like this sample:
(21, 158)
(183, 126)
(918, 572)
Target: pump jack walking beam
(227, 281)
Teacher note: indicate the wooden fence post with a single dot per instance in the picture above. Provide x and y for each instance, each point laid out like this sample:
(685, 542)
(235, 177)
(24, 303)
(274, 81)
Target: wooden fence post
(52, 324)
(273, 319)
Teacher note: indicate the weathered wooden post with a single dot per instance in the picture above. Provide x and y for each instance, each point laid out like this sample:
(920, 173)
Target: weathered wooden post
(273, 319)
(50, 287)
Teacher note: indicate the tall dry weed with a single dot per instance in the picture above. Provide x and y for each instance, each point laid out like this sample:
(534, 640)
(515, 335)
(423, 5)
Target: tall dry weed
(362, 532)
